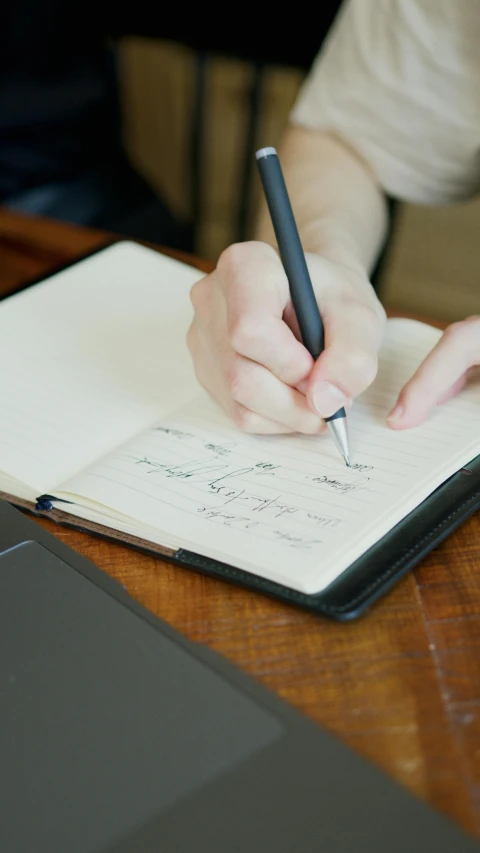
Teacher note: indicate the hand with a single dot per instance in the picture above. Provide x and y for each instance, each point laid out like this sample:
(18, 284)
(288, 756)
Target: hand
(442, 375)
(246, 345)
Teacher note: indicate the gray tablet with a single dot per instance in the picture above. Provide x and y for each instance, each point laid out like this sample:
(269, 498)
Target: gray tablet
(117, 734)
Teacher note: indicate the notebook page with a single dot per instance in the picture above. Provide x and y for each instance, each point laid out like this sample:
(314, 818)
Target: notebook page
(286, 507)
(83, 361)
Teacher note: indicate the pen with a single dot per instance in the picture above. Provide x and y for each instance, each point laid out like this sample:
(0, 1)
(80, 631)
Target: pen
(300, 284)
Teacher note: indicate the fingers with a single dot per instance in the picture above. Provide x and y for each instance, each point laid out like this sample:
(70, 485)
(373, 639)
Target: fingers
(440, 376)
(348, 365)
(256, 294)
(209, 376)
(255, 399)
(244, 341)
(258, 390)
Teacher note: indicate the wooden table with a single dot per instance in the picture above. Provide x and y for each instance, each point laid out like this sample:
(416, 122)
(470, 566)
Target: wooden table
(401, 686)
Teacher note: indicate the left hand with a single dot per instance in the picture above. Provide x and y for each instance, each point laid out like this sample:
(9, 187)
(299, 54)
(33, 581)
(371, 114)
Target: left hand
(442, 375)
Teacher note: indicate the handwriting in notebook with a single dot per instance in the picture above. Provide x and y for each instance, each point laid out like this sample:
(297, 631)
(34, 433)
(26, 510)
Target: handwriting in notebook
(254, 500)
(240, 482)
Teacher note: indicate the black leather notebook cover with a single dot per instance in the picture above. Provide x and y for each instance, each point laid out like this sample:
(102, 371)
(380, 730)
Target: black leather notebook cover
(366, 580)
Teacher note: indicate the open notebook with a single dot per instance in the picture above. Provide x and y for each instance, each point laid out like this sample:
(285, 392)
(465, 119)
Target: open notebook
(102, 414)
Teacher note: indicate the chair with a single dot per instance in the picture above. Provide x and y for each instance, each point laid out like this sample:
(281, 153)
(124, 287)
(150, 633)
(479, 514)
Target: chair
(263, 39)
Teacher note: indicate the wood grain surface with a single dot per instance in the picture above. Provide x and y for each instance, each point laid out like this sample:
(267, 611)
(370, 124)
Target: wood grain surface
(401, 685)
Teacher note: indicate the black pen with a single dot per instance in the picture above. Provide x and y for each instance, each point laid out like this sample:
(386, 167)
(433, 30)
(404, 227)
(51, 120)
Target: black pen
(295, 265)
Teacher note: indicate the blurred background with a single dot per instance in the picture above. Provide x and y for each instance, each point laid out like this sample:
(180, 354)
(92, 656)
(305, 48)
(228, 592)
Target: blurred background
(193, 94)
(172, 97)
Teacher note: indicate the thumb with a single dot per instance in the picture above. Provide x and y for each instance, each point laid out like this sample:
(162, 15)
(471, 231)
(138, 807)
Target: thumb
(348, 365)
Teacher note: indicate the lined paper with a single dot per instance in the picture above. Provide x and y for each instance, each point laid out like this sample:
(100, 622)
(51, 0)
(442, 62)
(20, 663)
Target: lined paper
(89, 358)
(286, 507)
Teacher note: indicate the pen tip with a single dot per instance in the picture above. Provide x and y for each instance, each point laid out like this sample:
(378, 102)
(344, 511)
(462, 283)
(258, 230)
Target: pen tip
(347, 461)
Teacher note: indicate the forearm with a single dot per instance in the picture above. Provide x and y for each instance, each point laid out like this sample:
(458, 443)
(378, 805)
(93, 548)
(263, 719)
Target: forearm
(340, 209)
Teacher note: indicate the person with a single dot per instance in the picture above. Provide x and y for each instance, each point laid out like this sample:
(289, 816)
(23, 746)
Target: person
(390, 108)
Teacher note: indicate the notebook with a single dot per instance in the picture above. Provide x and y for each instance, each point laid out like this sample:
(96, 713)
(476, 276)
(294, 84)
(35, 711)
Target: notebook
(105, 427)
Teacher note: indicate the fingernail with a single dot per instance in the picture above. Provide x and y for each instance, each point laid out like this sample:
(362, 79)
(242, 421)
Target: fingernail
(302, 386)
(327, 399)
(396, 414)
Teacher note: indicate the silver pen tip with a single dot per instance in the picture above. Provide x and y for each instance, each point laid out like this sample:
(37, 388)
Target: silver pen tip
(338, 431)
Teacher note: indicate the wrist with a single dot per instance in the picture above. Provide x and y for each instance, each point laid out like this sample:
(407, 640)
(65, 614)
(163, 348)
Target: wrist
(335, 245)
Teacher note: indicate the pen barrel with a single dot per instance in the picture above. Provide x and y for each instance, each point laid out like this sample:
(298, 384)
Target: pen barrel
(291, 253)
(340, 414)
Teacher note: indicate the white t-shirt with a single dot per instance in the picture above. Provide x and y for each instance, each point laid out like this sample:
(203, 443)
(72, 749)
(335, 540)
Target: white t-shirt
(399, 80)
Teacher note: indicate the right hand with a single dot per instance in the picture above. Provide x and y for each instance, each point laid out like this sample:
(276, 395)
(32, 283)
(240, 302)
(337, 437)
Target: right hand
(246, 346)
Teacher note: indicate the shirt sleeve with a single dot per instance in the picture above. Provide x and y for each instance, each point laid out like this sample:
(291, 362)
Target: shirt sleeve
(399, 80)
